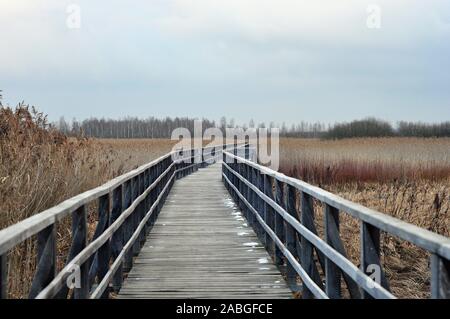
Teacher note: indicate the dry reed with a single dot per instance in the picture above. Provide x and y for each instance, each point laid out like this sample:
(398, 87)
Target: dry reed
(408, 178)
(40, 167)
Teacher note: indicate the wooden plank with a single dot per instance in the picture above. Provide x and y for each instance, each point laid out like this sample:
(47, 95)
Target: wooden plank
(440, 277)
(332, 272)
(4, 276)
(205, 251)
(333, 239)
(104, 253)
(307, 254)
(279, 222)
(292, 239)
(117, 237)
(79, 241)
(370, 254)
(269, 212)
(46, 260)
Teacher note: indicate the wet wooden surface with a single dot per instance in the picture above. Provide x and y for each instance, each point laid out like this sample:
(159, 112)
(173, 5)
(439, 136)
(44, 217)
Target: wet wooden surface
(202, 247)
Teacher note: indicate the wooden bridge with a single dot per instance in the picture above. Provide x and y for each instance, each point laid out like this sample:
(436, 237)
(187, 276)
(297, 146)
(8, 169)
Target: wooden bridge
(212, 223)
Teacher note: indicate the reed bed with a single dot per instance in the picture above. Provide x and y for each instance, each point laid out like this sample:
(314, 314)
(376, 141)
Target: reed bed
(408, 178)
(40, 167)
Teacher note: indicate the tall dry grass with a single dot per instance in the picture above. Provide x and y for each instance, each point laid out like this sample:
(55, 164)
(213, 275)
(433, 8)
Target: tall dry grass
(404, 177)
(40, 167)
(379, 160)
(408, 178)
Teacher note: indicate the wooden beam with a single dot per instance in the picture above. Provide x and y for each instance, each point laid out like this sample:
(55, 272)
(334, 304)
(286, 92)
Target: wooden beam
(4, 276)
(420, 237)
(440, 277)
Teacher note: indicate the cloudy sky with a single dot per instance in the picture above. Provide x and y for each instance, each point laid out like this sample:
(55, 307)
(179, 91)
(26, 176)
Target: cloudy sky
(271, 60)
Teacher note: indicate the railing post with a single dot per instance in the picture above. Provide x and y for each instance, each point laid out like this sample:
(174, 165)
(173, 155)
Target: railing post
(291, 237)
(46, 260)
(440, 277)
(332, 272)
(307, 256)
(155, 190)
(103, 223)
(237, 183)
(104, 253)
(159, 185)
(141, 211)
(79, 240)
(247, 151)
(370, 255)
(118, 236)
(269, 212)
(224, 160)
(146, 184)
(202, 158)
(260, 205)
(247, 194)
(4, 276)
(135, 215)
(151, 198)
(279, 222)
(129, 187)
(232, 176)
(241, 187)
(254, 201)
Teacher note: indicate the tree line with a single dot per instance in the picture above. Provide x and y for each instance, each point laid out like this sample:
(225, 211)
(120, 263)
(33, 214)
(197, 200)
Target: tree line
(372, 127)
(129, 127)
(133, 127)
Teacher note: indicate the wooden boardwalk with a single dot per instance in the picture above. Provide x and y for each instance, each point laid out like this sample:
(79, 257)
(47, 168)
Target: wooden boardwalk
(202, 247)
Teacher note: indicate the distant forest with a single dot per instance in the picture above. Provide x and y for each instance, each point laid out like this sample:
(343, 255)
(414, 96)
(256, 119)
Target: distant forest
(151, 127)
(133, 127)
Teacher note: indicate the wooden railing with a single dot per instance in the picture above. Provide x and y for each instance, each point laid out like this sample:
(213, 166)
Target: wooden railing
(127, 209)
(268, 199)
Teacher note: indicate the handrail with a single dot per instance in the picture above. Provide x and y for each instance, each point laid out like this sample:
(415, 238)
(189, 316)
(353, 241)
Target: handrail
(11, 236)
(51, 290)
(136, 198)
(418, 236)
(334, 256)
(252, 184)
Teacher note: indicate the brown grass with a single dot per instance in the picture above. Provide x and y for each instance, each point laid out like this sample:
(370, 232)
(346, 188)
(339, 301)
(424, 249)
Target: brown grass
(380, 160)
(408, 178)
(40, 168)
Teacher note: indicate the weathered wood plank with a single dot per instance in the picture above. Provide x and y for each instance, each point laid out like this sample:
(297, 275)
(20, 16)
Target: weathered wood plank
(201, 246)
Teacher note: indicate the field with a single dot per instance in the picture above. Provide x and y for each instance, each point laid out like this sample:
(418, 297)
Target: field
(408, 178)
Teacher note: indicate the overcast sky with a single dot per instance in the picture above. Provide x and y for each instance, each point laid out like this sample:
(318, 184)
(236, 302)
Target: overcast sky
(271, 60)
